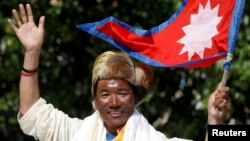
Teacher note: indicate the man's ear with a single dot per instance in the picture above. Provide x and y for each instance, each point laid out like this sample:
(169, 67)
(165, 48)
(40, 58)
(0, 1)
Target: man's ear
(94, 105)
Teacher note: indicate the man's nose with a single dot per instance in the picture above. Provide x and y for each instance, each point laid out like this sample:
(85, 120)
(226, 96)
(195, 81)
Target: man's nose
(114, 101)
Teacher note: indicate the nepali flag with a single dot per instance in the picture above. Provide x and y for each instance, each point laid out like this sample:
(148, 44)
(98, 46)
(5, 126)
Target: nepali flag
(198, 34)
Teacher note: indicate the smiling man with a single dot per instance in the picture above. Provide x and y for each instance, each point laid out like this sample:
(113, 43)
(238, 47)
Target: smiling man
(118, 86)
(115, 101)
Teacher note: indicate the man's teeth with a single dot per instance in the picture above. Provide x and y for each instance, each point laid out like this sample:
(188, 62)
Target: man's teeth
(115, 112)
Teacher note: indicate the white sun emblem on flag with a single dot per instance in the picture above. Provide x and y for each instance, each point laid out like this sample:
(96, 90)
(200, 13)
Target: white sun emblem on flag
(200, 31)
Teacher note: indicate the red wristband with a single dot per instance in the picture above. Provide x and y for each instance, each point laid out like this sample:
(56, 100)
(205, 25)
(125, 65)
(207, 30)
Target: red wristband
(27, 74)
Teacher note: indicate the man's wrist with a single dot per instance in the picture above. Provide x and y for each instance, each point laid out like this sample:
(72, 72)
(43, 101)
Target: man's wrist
(214, 122)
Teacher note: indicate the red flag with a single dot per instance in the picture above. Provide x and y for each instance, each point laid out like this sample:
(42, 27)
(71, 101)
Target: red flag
(197, 35)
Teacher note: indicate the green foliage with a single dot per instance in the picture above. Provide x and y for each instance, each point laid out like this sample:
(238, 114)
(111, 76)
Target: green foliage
(68, 55)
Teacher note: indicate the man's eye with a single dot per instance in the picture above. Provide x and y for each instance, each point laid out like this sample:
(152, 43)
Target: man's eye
(104, 95)
(123, 93)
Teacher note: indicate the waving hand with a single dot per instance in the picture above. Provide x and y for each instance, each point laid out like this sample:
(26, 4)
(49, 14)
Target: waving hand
(30, 35)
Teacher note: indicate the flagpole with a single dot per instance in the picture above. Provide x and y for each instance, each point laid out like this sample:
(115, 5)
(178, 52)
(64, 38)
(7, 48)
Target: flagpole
(224, 78)
(227, 65)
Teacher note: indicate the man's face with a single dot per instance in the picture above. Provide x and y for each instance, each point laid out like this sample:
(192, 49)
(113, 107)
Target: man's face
(115, 101)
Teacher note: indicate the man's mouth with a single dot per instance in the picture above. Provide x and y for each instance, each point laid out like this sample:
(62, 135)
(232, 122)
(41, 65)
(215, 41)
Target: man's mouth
(115, 113)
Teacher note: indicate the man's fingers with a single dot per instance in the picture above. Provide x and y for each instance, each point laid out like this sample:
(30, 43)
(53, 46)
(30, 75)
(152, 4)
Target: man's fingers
(224, 89)
(222, 96)
(218, 102)
(12, 25)
(29, 12)
(23, 13)
(225, 105)
(18, 21)
(41, 22)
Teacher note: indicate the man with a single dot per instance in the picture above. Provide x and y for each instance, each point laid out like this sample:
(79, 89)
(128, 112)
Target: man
(118, 86)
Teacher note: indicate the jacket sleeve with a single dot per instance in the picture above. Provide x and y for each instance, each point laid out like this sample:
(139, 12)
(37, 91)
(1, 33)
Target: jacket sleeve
(46, 123)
